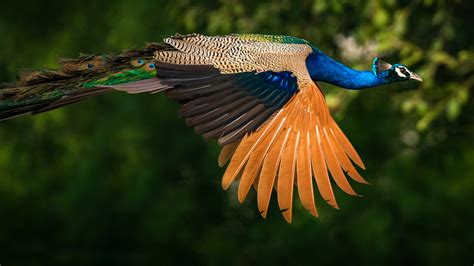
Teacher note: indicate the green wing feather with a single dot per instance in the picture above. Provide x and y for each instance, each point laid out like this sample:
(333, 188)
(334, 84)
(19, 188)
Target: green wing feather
(273, 38)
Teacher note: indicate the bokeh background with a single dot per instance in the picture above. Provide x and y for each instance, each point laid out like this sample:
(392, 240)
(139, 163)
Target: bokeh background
(120, 180)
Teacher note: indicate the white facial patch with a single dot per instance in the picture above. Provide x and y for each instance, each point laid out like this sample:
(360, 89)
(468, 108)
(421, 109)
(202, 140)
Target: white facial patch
(399, 73)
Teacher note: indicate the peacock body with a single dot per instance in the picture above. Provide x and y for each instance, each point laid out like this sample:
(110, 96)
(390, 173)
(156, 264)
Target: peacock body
(256, 94)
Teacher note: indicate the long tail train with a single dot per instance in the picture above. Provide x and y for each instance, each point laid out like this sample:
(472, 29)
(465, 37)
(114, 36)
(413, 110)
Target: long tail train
(37, 91)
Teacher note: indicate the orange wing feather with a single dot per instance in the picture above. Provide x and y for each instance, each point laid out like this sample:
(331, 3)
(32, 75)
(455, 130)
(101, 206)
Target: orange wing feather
(320, 171)
(286, 176)
(227, 152)
(300, 142)
(269, 172)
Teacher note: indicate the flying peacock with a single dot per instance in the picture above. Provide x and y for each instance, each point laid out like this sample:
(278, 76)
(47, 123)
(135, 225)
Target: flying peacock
(256, 94)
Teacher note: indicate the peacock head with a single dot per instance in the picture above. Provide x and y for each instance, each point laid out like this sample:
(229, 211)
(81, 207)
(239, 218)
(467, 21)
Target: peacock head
(393, 73)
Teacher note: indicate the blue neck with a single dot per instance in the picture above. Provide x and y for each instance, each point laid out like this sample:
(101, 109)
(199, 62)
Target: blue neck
(323, 68)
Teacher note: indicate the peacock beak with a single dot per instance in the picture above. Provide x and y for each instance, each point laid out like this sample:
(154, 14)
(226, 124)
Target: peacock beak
(416, 77)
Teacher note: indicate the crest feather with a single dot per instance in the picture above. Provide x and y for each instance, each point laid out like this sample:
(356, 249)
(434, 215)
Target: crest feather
(380, 66)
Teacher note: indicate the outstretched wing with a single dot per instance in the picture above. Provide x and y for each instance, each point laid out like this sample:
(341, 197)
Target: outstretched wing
(301, 141)
(256, 98)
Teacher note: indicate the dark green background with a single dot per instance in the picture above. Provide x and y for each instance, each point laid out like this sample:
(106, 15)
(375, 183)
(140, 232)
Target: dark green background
(120, 180)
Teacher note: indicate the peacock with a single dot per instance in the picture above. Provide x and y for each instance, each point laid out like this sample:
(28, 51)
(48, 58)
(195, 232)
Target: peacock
(257, 95)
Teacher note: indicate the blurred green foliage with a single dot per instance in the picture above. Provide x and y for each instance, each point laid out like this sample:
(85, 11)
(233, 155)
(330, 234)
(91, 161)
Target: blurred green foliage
(120, 180)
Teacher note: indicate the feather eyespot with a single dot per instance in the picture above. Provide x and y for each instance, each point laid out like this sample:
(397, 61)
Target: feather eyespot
(90, 66)
(138, 62)
(150, 67)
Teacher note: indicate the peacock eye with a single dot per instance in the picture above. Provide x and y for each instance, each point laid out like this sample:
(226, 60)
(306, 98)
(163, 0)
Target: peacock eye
(404, 71)
(150, 66)
(90, 66)
(138, 62)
